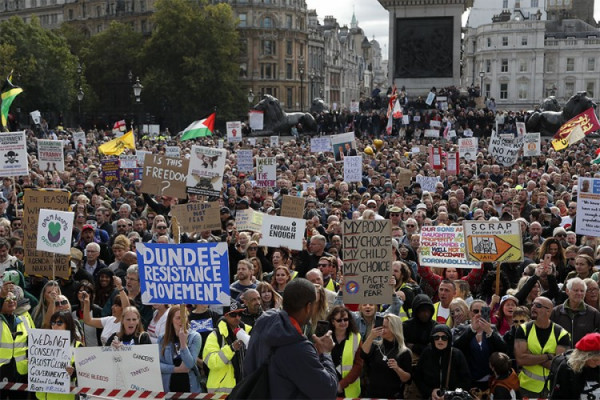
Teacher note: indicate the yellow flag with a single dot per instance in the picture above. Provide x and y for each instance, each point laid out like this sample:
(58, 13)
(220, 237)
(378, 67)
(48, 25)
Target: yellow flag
(575, 136)
(118, 145)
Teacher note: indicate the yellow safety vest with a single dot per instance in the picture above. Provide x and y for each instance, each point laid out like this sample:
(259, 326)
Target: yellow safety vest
(27, 320)
(434, 316)
(533, 377)
(352, 390)
(331, 285)
(14, 348)
(217, 356)
(294, 274)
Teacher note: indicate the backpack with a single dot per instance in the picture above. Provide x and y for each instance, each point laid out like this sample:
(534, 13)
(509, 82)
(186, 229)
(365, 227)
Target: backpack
(255, 385)
(554, 366)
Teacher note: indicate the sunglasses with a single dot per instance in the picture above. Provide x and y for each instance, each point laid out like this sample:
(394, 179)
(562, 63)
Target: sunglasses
(561, 235)
(161, 227)
(252, 248)
(539, 305)
(58, 323)
(395, 214)
(61, 303)
(340, 320)
(372, 206)
(121, 226)
(410, 225)
(519, 321)
(443, 338)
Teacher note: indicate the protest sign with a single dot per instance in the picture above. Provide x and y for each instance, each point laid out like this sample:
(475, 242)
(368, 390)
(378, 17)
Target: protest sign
(521, 130)
(141, 156)
(367, 254)
(234, 131)
(306, 185)
(467, 148)
(588, 204)
(274, 141)
(266, 172)
(428, 182)
(531, 144)
(41, 262)
(190, 273)
(127, 368)
(444, 247)
(493, 241)
(353, 169)
(48, 354)
(354, 106)
(164, 176)
(435, 157)
(430, 98)
(248, 220)
(196, 217)
(128, 161)
(110, 170)
(245, 161)
(55, 229)
(405, 119)
(404, 177)
(79, 139)
(205, 173)
(252, 141)
(320, 144)
(432, 133)
(506, 152)
(172, 151)
(220, 143)
(282, 232)
(453, 163)
(343, 145)
(434, 123)
(256, 120)
(415, 150)
(51, 156)
(36, 116)
(13, 148)
(292, 206)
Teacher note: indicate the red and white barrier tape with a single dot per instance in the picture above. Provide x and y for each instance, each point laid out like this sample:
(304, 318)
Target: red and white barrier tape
(123, 394)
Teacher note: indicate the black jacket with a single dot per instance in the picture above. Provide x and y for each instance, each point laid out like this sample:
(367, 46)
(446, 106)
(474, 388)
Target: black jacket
(571, 385)
(416, 333)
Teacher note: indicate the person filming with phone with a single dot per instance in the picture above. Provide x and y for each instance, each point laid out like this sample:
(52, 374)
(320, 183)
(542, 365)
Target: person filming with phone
(478, 339)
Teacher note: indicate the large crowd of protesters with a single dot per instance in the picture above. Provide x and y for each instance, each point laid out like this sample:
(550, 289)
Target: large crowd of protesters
(445, 332)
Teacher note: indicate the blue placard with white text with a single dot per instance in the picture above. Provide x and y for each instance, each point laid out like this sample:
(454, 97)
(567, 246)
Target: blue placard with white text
(191, 273)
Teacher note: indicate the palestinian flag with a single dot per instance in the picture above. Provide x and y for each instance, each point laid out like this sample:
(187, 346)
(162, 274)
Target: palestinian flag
(9, 92)
(597, 159)
(202, 128)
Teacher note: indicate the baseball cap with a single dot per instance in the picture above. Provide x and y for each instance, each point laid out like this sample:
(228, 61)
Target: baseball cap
(85, 227)
(234, 307)
(225, 210)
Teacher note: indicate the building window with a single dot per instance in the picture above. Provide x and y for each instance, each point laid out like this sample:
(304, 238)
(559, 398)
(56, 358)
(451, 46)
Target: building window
(70, 15)
(504, 41)
(523, 89)
(488, 89)
(524, 41)
(591, 64)
(523, 65)
(569, 89)
(504, 3)
(98, 11)
(489, 42)
(504, 65)
(288, 21)
(267, 71)
(549, 64)
(268, 47)
(243, 20)
(488, 66)
(590, 89)
(142, 5)
(144, 26)
(33, 3)
(267, 22)
(288, 71)
(534, 3)
(289, 96)
(289, 48)
(504, 91)
(98, 28)
(570, 64)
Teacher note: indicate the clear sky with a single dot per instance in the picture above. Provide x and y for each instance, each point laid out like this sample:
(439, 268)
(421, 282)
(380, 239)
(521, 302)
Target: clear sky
(371, 16)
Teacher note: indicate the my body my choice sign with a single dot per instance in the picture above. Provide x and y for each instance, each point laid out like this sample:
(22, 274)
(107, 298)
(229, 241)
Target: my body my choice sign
(191, 273)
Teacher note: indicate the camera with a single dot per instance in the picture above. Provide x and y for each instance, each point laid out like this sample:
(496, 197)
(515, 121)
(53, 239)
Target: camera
(457, 394)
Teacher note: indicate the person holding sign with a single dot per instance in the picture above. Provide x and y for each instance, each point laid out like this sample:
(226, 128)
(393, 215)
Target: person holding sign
(63, 321)
(111, 324)
(178, 350)
(131, 332)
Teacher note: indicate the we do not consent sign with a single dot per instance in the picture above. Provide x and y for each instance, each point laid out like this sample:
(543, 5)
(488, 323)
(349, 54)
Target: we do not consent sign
(192, 273)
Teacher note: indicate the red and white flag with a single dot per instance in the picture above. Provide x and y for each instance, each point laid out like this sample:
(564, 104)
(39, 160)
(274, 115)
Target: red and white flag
(397, 112)
(119, 126)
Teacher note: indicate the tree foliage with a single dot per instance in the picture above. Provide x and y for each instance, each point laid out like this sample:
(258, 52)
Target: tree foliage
(192, 62)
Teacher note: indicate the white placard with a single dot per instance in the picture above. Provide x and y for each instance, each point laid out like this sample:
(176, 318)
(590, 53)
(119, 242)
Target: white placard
(405, 119)
(49, 354)
(274, 141)
(430, 98)
(205, 173)
(245, 161)
(51, 156)
(172, 151)
(432, 133)
(307, 185)
(128, 161)
(505, 151)
(353, 169)
(531, 144)
(521, 130)
(140, 156)
(282, 232)
(428, 182)
(55, 229)
(36, 116)
(256, 119)
(220, 143)
(266, 172)
(434, 123)
(13, 154)
(252, 141)
(320, 144)
(354, 106)
(128, 368)
(588, 204)
(234, 131)
(79, 139)
(343, 145)
(467, 148)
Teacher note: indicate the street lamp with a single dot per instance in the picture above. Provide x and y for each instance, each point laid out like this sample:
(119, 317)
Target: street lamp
(250, 96)
(137, 89)
(301, 72)
(80, 95)
(481, 75)
(312, 84)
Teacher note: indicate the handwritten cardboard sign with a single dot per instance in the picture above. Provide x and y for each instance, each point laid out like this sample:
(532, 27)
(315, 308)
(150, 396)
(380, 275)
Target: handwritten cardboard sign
(165, 176)
(292, 206)
(367, 250)
(196, 217)
(266, 172)
(49, 354)
(248, 220)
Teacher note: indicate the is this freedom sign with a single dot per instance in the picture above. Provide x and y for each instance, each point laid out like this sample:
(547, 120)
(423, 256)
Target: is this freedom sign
(191, 273)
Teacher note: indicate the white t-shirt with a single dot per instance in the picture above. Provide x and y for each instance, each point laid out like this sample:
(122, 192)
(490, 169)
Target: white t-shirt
(109, 327)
